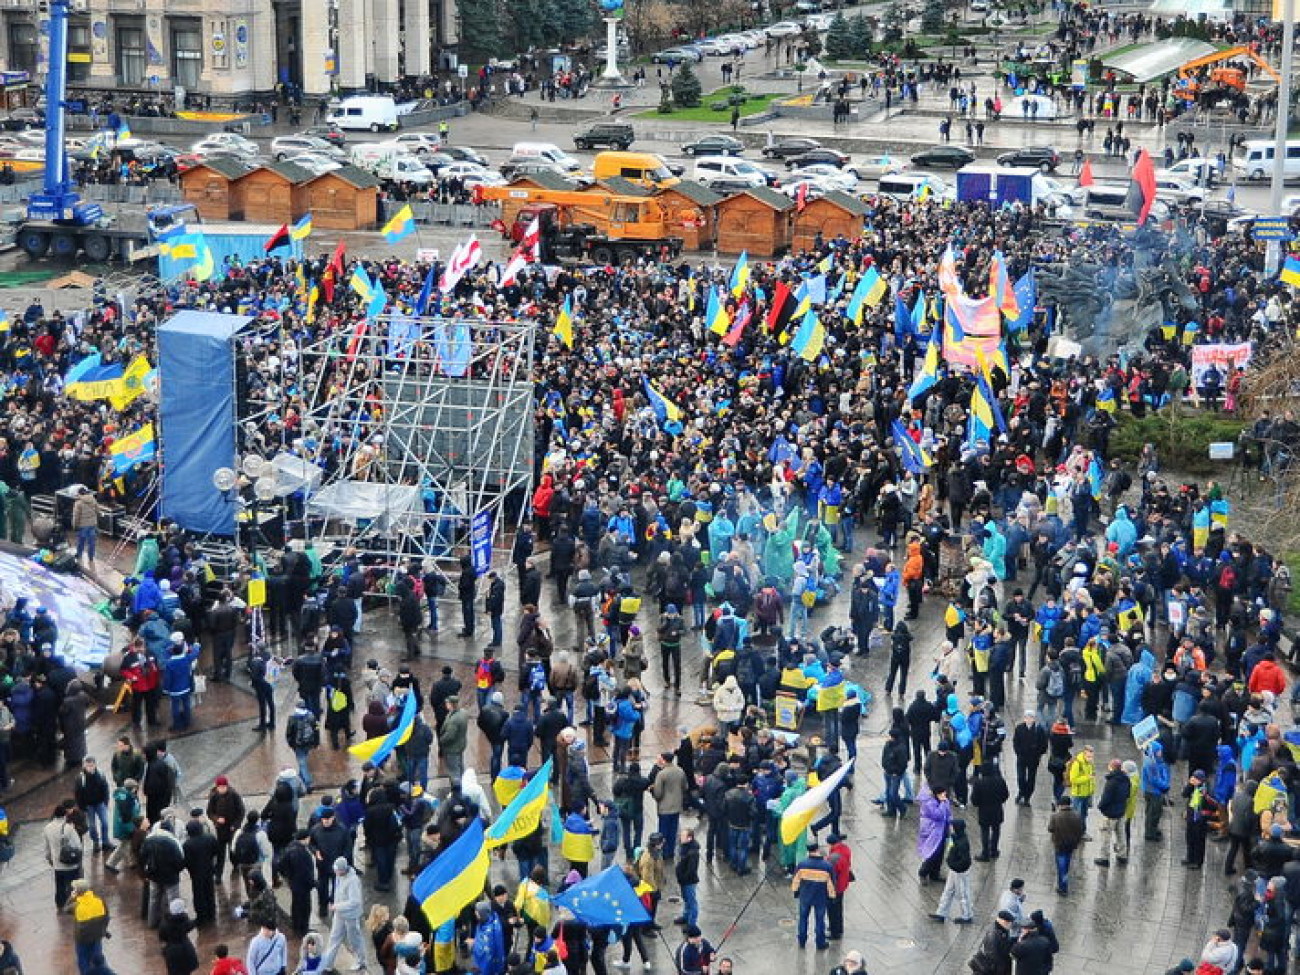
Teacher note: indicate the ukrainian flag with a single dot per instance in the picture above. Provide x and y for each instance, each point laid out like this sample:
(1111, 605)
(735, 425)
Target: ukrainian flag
(302, 229)
(360, 282)
(533, 901)
(444, 947)
(377, 749)
(809, 341)
(1290, 273)
(524, 813)
(133, 449)
(578, 845)
(876, 287)
(740, 274)
(401, 225)
(913, 455)
(799, 814)
(563, 329)
(665, 409)
(123, 130)
(928, 377)
(454, 880)
(858, 300)
(4, 321)
(1096, 477)
(508, 784)
(715, 314)
(132, 384)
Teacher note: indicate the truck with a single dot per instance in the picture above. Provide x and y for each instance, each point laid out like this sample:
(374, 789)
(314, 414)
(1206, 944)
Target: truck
(585, 225)
(58, 222)
(391, 161)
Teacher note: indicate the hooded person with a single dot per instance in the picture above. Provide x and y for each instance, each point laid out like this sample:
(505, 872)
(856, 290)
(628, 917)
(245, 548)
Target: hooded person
(1121, 532)
(1139, 676)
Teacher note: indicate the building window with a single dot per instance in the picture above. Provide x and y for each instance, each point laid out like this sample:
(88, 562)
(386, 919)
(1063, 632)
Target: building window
(78, 51)
(187, 53)
(132, 56)
(22, 47)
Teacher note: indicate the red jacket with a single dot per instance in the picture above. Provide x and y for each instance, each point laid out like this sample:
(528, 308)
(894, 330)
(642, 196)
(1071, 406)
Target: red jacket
(1267, 676)
(841, 861)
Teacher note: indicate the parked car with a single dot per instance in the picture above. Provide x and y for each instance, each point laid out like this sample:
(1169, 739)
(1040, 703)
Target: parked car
(330, 133)
(725, 172)
(608, 135)
(517, 167)
(417, 143)
(315, 163)
(832, 177)
(874, 167)
(464, 154)
(1199, 169)
(24, 118)
(1178, 191)
(282, 147)
(954, 157)
(784, 28)
(676, 55)
(831, 157)
(227, 142)
(1044, 158)
(714, 145)
(784, 148)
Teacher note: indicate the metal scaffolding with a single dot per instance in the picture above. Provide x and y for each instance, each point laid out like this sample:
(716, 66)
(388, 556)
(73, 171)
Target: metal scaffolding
(419, 425)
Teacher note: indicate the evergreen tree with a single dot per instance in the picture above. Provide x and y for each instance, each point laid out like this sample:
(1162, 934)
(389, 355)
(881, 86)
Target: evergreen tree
(861, 33)
(932, 16)
(481, 38)
(686, 87)
(839, 39)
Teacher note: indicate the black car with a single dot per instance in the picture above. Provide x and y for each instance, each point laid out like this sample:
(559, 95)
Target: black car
(610, 135)
(831, 157)
(464, 154)
(21, 119)
(954, 157)
(1040, 157)
(714, 145)
(784, 148)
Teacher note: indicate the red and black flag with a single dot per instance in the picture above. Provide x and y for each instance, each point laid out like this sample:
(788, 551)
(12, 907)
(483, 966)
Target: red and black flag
(782, 308)
(278, 239)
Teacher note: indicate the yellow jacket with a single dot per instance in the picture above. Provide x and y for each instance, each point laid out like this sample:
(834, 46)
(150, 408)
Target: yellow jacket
(1081, 776)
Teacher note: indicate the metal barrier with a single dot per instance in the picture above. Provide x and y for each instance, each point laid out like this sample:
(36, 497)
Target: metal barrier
(445, 214)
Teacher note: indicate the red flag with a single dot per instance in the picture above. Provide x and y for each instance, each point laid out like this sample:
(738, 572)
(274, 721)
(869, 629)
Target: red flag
(1085, 174)
(278, 239)
(1144, 178)
(336, 261)
(801, 197)
(354, 343)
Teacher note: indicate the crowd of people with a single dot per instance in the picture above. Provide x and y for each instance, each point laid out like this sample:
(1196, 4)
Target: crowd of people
(711, 545)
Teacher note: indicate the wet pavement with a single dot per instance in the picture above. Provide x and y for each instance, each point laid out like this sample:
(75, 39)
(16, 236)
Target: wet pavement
(1142, 917)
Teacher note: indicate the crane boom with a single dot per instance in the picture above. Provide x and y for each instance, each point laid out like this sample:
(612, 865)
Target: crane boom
(1227, 54)
(58, 200)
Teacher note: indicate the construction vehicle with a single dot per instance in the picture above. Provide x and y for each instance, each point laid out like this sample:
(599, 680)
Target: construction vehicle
(1192, 77)
(593, 225)
(59, 222)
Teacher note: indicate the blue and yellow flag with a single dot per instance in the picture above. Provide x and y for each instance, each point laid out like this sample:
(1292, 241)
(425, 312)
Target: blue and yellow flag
(913, 455)
(1290, 273)
(809, 341)
(455, 879)
(929, 374)
(563, 329)
(666, 411)
(361, 284)
(135, 448)
(524, 813)
(377, 749)
(402, 224)
(740, 274)
(715, 314)
(508, 784)
(302, 229)
(1096, 477)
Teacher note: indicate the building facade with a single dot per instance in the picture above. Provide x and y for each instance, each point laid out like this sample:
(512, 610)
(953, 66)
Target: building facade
(246, 48)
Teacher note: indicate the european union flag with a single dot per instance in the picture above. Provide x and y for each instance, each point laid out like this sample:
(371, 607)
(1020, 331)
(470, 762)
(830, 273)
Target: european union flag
(1026, 290)
(605, 900)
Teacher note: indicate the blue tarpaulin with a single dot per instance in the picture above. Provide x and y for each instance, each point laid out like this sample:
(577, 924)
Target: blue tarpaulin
(196, 369)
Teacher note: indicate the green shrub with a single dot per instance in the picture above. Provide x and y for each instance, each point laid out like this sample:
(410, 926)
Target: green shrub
(1182, 442)
(686, 87)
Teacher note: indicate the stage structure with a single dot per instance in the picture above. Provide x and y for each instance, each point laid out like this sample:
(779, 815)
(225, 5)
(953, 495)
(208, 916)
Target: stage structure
(416, 430)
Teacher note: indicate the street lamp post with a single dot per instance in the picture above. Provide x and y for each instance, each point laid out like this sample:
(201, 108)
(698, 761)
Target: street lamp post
(1283, 122)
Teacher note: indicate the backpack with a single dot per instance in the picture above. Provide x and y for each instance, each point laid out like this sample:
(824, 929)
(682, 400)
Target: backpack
(537, 678)
(246, 851)
(304, 733)
(257, 667)
(1055, 682)
(1076, 670)
(1228, 578)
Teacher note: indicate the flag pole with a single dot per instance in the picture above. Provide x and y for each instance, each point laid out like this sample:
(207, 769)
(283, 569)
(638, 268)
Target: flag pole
(1273, 260)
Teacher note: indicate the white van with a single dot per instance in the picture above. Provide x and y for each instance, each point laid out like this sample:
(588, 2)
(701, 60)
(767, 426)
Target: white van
(1254, 159)
(548, 151)
(907, 186)
(388, 160)
(728, 171)
(373, 112)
